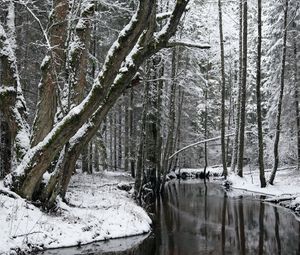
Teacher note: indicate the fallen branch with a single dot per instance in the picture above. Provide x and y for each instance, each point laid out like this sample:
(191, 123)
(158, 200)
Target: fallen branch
(280, 199)
(27, 234)
(203, 141)
(9, 194)
(188, 44)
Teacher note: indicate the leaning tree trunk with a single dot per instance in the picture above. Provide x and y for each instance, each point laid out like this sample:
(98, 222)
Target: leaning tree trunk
(258, 103)
(99, 115)
(108, 86)
(243, 93)
(27, 176)
(223, 143)
(279, 106)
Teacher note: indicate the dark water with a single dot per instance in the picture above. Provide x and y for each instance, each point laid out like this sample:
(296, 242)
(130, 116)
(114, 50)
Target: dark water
(194, 219)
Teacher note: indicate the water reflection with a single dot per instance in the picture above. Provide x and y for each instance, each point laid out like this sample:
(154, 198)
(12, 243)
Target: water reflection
(199, 219)
(194, 218)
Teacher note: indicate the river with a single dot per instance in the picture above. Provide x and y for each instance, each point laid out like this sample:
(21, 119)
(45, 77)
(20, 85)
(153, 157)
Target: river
(193, 218)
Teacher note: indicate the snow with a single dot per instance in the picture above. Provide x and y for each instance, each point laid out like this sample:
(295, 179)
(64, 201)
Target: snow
(97, 210)
(286, 182)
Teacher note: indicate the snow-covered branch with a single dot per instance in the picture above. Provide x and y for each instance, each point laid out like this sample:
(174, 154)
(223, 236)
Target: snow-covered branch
(188, 44)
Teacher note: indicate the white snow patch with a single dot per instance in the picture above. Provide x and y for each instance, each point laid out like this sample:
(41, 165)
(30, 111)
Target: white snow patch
(97, 211)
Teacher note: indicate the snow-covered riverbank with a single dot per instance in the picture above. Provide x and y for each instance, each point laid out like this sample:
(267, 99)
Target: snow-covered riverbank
(97, 210)
(285, 191)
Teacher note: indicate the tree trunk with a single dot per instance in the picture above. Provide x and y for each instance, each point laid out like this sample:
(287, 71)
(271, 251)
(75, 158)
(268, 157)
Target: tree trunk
(131, 135)
(296, 94)
(223, 85)
(238, 100)
(52, 72)
(279, 106)
(85, 160)
(172, 117)
(141, 148)
(5, 149)
(96, 157)
(12, 102)
(243, 92)
(115, 127)
(126, 135)
(205, 120)
(258, 102)
(90, 157)
(120, 135)
(159, 141)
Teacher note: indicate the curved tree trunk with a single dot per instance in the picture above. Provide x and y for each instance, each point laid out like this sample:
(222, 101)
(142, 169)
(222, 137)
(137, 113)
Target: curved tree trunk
(279, 106)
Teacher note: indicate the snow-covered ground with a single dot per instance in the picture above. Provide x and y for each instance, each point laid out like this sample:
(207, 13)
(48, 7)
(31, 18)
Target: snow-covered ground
(97, 210)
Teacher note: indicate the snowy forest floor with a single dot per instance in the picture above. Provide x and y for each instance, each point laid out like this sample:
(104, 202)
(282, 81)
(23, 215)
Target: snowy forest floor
(285, 191)
(97, 210)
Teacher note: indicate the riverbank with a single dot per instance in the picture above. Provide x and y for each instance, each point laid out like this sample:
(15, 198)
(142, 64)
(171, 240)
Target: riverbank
(97, 210)
(285, 191)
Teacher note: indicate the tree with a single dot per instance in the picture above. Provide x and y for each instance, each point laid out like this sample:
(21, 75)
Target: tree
(296, 95)
(258, 102)
(243, 92)
(238, 100)
(223, 85)
(279, 105)
(137, 41)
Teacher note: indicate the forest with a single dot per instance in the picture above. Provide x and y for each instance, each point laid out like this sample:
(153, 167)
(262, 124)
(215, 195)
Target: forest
(95, 93)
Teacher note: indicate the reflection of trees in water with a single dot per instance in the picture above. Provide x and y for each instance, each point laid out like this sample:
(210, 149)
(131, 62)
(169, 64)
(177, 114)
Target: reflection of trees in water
(199, 219)
(224, 222)
(242, 227)
(277, 231)
(229, 225)
(261, 228)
